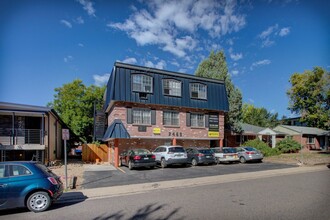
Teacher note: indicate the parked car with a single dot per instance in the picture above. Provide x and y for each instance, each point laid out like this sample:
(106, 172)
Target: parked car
(169, 154)
(28, 184)
(249, 154)
(200, 156)
(225, 154)
(137, 158)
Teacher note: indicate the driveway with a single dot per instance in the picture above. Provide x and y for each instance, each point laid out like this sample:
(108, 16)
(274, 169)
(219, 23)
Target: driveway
(112, 177)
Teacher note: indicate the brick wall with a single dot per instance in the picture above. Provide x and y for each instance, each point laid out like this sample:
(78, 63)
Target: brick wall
(119, 111)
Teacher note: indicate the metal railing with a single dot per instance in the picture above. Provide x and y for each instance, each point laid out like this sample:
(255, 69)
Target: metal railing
(9, 136)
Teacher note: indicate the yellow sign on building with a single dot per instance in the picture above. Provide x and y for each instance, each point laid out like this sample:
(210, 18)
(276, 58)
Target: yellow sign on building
(214, 134)
(156, 130)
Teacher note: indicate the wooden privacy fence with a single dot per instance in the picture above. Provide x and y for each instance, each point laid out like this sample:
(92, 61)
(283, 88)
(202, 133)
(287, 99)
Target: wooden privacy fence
(93, 152)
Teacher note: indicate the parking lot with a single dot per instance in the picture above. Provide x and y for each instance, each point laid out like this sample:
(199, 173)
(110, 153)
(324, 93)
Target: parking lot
(95, 179)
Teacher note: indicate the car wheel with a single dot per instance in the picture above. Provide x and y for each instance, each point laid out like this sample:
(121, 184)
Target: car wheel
(194, 162)
(38, 202)
(242, 160)
(130, 165)
(163, 163)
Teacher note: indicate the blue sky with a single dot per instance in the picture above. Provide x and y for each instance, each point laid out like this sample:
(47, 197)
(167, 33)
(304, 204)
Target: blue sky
(45, 44)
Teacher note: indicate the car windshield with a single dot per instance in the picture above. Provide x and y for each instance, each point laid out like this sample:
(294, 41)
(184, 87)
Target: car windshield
(229, 150)
(216, 150)
(205, 151)
(141, 151)
(250, 149)
(176, 149)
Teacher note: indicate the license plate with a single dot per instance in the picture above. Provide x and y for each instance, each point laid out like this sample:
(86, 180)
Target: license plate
(146, 158)
(208, 156)
(179, 155)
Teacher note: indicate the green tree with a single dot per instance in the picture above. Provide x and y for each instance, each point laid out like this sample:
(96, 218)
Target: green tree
(74, 102)
(259, 116)
(310, 97)
(215, 67)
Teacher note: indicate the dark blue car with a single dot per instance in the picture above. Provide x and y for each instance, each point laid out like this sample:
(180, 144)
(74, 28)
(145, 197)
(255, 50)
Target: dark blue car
(28, 184)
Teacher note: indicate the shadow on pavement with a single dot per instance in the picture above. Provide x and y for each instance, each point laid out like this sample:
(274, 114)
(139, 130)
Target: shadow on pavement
(146, 212)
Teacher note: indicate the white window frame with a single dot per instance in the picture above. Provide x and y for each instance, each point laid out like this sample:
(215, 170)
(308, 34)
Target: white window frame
(141, 116)
(141, 82)
(172, 87)
(199, 89)
(197, 120)
(310, 138)
(171, 118)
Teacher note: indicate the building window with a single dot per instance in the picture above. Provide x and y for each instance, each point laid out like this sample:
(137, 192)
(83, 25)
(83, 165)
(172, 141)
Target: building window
(197, 120)
(310, 140)
(198, 91)
(171, 118)
(172, 87)
(142, 116)
(142, 83)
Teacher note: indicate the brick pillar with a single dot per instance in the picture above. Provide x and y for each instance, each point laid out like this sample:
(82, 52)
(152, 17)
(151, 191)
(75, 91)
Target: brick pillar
(174, 141)
(116, 143)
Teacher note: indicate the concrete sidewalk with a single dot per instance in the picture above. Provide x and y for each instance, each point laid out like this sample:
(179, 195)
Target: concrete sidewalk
(113, 191)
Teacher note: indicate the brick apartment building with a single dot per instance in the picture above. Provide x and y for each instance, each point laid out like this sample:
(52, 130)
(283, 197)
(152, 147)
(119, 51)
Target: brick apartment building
(147, 107)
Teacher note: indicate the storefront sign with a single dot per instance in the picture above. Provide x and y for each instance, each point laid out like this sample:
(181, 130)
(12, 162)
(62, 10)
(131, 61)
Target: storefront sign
(213, 134)
(156, 130)
(214, 122)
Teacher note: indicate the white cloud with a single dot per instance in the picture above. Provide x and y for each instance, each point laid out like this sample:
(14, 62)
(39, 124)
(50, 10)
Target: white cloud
(284, 31)
(172, 24)
(81, 45)
(260, 63)
(159, 65)
(68, 59)
(268, 35)
(130, 60)
(88, 7)
(79, 20)
(235, 72)
(236, 57)
(100, 80)
(66, 23)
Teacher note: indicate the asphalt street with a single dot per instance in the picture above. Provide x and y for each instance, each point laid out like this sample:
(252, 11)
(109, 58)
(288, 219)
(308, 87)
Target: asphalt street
(295, 196)
(96, 179)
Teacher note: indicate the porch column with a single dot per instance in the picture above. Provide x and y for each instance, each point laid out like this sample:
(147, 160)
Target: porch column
(13, 128)
(273, 141)
(116, 143)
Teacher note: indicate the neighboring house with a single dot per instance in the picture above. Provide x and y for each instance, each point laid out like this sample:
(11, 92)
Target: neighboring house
(148, 107)
(293, 122)
(30, 133)
(251, 132)
(310, 138)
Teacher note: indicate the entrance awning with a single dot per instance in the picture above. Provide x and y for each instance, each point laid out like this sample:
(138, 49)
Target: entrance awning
(116, 130)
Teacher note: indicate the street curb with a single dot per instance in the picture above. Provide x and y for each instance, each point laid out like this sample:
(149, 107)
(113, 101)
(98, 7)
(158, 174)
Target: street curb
(114, 191)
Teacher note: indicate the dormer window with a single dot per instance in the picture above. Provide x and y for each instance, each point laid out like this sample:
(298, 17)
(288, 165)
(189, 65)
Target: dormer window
(142, 83)
(198, 91)
(172, 87)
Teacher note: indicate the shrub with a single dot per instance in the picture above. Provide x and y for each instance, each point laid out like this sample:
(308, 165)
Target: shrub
(263, 147)
(288, 146)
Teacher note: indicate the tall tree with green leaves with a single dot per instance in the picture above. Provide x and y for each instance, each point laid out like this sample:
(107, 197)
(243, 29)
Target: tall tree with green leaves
(310, 97)
(215, 67)
(74, 102)
(259, 116)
